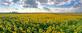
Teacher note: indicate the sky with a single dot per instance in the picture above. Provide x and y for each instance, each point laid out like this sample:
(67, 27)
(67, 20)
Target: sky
(19, 4)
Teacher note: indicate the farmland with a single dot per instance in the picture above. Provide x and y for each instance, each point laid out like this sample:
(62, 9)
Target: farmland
(40, 23)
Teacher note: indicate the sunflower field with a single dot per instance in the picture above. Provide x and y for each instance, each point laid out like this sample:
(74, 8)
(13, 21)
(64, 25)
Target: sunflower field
(40, 23)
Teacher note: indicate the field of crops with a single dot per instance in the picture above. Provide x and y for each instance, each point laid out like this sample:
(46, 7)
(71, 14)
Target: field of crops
(41, 23)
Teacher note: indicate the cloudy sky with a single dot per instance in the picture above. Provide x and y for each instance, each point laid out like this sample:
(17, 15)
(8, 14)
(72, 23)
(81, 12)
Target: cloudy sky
(37, 4)
(19, 3)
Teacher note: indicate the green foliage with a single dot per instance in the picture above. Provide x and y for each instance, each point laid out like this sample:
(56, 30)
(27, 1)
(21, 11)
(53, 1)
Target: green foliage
(16, 25)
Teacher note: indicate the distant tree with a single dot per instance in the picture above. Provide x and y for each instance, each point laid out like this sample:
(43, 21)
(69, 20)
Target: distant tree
(13, 12)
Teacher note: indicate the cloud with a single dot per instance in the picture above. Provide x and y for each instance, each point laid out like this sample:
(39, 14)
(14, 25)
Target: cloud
(62, 5)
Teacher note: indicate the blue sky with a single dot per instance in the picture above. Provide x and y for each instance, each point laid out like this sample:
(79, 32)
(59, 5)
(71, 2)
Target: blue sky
(16, 5)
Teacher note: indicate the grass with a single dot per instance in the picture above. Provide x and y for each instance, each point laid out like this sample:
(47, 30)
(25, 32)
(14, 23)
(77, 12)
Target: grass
(40, 23)
(45, 17)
